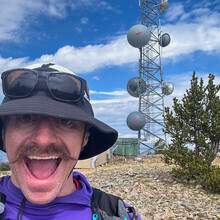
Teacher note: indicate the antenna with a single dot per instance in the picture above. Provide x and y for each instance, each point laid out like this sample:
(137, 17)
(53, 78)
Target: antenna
(149, 87)
(163, 6)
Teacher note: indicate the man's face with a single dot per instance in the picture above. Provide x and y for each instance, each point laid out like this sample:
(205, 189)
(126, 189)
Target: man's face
(42, 152)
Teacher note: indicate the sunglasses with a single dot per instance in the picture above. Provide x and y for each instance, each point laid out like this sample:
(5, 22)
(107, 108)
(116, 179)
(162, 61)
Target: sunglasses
(19, 83)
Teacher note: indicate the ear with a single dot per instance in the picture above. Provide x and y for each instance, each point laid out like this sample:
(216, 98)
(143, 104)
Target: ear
(3, 139)
(2, 123)
(86, 138)
(87, 134)
(3, 134)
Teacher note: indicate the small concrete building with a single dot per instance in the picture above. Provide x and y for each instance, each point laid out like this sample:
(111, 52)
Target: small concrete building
(95, 161)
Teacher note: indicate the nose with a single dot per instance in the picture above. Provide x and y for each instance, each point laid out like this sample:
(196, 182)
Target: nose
(43, 133)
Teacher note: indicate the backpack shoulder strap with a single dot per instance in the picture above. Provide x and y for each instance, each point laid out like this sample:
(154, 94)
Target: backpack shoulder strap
(104, 201)
(112, 205)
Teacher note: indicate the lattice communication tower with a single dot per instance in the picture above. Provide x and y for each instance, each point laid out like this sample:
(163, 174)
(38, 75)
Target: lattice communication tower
(149, 86)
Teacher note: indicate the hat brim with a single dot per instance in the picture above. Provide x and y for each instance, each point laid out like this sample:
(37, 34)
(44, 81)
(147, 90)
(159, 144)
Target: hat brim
(101, 136)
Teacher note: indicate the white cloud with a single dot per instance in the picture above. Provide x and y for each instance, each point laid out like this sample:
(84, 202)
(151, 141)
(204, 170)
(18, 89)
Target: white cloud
(17, 16)
(95, 78)
(113, 93)
(114, 111)
(91, 57)
(92, 5)
(174, 12)
(202, 33)
(78, 29)
(199, 34)
(10, 63)
(129, 135)
(84, 20)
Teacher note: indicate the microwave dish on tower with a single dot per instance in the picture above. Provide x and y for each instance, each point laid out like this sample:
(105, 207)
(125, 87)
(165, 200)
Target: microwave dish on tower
(167, 88)
(163, 6)
(164, 40)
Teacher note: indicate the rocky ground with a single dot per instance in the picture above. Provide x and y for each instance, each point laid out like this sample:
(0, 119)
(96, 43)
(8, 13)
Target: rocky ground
(146, 185)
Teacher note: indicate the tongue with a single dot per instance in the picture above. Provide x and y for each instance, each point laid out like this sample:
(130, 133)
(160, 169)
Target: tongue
(42, 169)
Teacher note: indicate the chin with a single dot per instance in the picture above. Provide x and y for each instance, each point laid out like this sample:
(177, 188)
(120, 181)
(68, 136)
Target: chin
(40, 199)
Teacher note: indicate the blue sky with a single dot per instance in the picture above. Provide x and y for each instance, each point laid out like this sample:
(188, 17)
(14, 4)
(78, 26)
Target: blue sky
(89, 37)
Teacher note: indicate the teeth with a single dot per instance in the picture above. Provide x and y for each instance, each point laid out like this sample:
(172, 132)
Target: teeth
(42, 158)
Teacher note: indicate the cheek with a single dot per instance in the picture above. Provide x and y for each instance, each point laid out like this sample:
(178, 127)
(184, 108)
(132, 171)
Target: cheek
(74, 144)
(12, 140)
(8, 143)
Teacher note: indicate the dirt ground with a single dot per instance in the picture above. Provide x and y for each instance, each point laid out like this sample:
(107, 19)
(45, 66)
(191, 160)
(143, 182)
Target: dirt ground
(146, 184)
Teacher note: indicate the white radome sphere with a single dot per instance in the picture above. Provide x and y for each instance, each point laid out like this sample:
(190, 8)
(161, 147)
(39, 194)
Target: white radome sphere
(136, 86)
(136, 121)
(138, 36)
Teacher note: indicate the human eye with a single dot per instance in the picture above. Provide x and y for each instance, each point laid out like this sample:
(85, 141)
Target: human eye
(26, 118)
(65, 121)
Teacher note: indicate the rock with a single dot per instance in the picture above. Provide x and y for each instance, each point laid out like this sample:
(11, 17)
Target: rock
(138, 159)
(186, 207)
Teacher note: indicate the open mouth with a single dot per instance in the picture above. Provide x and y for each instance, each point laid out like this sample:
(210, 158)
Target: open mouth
(42, 167)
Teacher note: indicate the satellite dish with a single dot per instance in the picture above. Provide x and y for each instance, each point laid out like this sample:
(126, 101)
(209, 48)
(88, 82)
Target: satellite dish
(167, 88)
(138, 36)
(136, 121)
(136, 86)
(164, 40)
(163, 6)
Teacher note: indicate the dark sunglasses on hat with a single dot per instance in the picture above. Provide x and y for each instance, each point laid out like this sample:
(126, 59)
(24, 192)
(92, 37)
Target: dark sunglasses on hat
(19, 83)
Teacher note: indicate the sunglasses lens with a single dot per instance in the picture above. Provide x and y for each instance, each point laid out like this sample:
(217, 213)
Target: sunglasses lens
(64, 86)
(19, 82)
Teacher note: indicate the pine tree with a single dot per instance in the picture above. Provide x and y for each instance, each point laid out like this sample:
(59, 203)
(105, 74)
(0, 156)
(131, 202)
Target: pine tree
(194, 127)
(212, 128)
